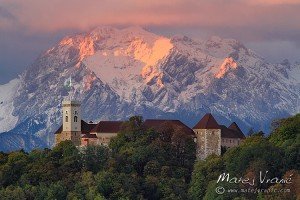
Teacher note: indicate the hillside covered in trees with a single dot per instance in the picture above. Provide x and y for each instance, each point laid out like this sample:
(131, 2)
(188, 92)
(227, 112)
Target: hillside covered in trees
(146, 164)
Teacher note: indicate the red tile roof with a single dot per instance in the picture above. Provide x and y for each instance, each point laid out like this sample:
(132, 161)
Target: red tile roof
(237, 129)
(156, 124)
(207, 122)
(59, 130)
(85, 128)
(89, 136)
(230, 133)
(108, 127)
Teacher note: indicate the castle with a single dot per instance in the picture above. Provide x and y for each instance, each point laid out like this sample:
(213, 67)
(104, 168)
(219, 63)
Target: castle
(207, 133)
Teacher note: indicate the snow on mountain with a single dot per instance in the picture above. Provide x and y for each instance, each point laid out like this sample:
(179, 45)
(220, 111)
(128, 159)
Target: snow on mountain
(117, 73)
(124, 56)
(7, 94)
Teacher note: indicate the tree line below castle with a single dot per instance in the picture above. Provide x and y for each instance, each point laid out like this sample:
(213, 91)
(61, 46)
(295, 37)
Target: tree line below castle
(146, 164)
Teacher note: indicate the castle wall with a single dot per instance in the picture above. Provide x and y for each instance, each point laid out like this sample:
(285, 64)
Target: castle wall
(231, 142)
(104, 138)
(89, 141)
(74, 136)
(208, 142)
(201, 138)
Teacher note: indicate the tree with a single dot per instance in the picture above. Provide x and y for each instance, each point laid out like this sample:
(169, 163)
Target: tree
(286, 135)
(12, 193)
(68, 157)
(57, 191)
(158, 160)
(95, 158)
(204, 172)
(15, 166)
(285, 130)
(289, 191)
(250, 132)
(212, 194)
(238, 160)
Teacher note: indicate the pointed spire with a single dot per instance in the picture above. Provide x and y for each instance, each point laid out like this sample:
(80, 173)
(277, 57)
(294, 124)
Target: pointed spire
(236, 128)
(207, 122)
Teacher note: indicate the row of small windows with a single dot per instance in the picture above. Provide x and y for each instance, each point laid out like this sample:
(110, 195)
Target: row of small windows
(227, 140)
(75, 119)
(213, 132)
(230, 141)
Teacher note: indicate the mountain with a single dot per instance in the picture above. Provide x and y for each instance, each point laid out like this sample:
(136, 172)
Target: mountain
(117, 73)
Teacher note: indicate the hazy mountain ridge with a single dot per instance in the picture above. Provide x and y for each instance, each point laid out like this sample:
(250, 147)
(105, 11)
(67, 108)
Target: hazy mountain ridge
(118, 73)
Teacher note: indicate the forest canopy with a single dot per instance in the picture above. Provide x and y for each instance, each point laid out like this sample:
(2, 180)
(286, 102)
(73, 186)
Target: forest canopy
(152, 164)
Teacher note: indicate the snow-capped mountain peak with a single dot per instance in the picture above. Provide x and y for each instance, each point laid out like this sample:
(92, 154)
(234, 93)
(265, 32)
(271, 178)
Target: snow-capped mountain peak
(117, 73)
(228, 64)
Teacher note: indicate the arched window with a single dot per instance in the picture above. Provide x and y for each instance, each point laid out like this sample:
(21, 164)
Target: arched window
(75, 112)
(67, 118)
(75, 119)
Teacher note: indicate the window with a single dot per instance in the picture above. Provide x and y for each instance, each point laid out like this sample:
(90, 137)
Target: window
(67, 118)
(75, 119)
(195, 139)
(75, 112)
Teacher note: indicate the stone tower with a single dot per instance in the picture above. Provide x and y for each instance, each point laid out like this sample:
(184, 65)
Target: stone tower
(71, 126)
(208, 136)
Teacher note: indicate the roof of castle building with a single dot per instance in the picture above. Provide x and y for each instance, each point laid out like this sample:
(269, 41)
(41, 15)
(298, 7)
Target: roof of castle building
(230, 133)
(85, 128)
(59, 130)
(236, 128)
(88, 135)
(207, 122)
(156, 124)
(108, 127)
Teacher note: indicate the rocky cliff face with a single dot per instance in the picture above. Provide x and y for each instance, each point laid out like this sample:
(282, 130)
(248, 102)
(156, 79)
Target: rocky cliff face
(119, 73)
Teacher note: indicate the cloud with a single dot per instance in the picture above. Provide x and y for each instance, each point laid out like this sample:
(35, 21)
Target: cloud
(7, 20)
(56, 14)
(244, 19)
(5, 14)
(275, 2)
(28, 27)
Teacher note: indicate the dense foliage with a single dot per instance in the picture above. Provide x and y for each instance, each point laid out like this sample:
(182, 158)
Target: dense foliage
(147, 164)
(279, 154)
(139, 164)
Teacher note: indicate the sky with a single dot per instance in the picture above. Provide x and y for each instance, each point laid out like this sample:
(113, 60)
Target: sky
(27, 28)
